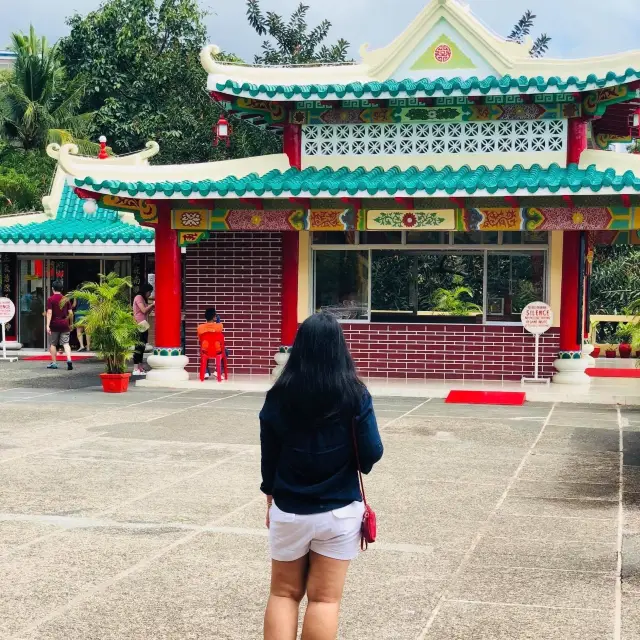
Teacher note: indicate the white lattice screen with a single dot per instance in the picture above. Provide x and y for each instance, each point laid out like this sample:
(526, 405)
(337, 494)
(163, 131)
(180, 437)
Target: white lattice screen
(520, 136)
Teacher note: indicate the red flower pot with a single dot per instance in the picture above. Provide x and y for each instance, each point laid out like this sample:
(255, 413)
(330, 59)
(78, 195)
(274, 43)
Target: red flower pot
(611, 353)
(115, 382)
(596, 353)
(625, 350)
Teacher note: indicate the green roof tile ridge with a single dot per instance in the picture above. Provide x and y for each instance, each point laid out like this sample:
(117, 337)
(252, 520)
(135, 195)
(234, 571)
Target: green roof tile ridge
(314, 181)
(430, 86)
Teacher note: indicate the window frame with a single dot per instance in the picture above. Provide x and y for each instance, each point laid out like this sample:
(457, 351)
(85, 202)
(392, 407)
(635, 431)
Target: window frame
(483, 249)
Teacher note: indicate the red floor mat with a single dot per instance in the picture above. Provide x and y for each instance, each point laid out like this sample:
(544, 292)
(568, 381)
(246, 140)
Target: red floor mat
(487, 397)
(614, 373)
(47, 357)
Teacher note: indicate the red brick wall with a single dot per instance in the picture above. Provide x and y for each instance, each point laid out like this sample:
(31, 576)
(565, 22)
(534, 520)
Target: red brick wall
(448, 352)
(240, 274)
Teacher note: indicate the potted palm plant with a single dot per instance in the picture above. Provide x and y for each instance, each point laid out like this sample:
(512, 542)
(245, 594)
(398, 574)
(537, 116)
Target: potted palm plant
(110, 323)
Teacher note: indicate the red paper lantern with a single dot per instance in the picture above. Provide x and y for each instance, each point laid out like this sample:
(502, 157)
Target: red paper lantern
(222, 131)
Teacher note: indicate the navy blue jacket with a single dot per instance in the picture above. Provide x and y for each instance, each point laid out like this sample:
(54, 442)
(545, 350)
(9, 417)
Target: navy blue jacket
(313, 470)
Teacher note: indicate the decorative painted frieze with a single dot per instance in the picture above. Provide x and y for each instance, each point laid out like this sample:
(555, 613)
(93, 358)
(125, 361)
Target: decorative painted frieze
(195, 225)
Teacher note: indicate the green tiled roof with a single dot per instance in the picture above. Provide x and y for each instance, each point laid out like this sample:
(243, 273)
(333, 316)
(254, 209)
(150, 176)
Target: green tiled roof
(72, 224)
(376, 181)
(428, 87)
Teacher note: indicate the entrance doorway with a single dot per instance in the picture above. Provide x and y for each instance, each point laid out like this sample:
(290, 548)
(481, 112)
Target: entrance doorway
(35, 278)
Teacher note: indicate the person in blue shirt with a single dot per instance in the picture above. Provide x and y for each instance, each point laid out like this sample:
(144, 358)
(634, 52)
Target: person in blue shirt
(310, 478)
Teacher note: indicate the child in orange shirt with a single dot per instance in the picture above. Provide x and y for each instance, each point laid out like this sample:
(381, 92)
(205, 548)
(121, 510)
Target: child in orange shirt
(213, 324)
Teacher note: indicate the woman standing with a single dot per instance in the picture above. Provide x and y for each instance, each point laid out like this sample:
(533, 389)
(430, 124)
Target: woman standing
(310, 477)
(141, 309)
(80, 309)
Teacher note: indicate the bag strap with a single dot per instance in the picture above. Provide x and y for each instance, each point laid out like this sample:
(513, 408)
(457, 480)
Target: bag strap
(355, 446)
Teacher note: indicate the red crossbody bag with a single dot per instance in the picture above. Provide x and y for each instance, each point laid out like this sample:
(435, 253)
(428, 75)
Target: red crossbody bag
(369, 527)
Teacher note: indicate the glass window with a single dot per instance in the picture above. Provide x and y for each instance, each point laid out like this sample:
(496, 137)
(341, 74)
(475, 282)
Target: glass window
(393, 282)
(334, 237)
(342, 283)
(513, 281)
(429, 286)
(427, 237)
(381, 237)
(451, 284)
(475, 237)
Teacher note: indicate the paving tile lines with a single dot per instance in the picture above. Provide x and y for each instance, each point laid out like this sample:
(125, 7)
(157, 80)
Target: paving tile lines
(99, 412)
(135, 498)
(90, 592)
(483, 530)
(518, 605)
(404, 415)
(102, 413)
(126, 503)
(543, 569)
(617, 625)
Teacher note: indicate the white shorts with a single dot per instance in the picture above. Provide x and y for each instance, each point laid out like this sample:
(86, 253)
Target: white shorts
(334, 534)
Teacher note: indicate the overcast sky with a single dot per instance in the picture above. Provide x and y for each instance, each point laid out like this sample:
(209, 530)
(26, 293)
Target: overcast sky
(579, 28)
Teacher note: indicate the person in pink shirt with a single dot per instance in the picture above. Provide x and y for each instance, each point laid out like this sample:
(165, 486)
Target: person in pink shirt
(141, 309)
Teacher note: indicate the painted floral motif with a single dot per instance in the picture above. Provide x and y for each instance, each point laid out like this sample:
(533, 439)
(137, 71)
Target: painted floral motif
(521, 112)
(251, 220)
(299, 117)
(433, 114)
(583, 219)
(191, 219)
(341, 116)
(299, 220)
(328, 220)
(408, 220)
(501, 219)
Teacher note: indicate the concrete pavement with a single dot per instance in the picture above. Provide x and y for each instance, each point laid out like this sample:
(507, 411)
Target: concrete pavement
(138, 516)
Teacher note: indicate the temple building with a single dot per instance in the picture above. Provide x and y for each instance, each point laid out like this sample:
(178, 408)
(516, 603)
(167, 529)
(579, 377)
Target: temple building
(72, 241)
(425, 196)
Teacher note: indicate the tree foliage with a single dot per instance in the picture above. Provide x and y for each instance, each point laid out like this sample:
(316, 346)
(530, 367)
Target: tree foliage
(38, 101)
(146, 81)
(25, 177)
(615, 281)
(293, 42)
(522, 29)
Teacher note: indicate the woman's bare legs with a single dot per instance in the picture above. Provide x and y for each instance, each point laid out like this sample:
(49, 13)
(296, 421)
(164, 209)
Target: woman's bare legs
(287, 590)
(325, 584)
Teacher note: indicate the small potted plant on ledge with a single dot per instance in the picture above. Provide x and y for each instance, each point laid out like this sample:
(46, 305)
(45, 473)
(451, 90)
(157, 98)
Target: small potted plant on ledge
(110, 323)
(610, 350)
(624, 333)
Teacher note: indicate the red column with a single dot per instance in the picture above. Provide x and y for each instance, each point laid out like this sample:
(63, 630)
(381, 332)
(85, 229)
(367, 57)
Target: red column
(569, 320)
(168, 292)
(576, 139)
(290, 249)
(292, 144)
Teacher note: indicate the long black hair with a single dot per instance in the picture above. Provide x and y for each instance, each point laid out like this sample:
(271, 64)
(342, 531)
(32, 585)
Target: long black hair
(319, 382)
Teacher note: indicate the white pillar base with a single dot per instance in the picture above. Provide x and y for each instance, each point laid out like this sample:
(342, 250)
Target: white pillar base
(281, 360)
(12, 345)
(587, 350)
(167, 366)
(571, 369)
